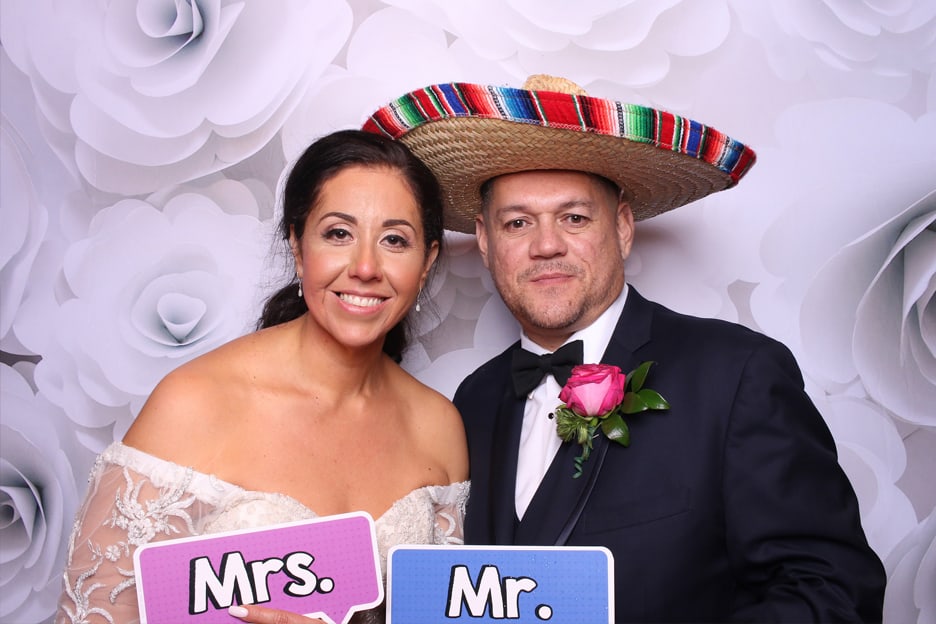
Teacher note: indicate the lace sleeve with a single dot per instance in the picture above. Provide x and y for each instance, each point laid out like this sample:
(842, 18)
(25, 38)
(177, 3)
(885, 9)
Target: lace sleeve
(450, 504)
(123, 510)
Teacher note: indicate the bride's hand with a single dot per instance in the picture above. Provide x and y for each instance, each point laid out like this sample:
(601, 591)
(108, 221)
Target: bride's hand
(263, 615)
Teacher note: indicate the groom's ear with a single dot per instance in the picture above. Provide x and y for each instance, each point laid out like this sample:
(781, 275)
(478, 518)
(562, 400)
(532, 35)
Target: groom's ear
(625, 227)
(481, 235)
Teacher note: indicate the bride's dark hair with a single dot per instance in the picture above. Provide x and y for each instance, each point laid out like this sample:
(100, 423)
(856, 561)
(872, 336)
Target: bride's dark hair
(319, 163)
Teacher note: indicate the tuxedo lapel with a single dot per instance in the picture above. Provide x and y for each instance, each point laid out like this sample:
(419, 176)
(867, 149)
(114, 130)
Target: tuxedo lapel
(631, 332)
(503, 475)
(560, 498)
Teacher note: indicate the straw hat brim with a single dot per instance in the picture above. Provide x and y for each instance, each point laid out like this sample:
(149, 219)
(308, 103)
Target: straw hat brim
(465, 143)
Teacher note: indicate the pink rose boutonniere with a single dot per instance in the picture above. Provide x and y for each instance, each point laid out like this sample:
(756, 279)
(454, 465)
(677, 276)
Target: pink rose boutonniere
(595, 398)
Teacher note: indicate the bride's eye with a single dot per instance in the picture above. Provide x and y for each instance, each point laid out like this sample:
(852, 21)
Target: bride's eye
(337, 234)
(397, 241)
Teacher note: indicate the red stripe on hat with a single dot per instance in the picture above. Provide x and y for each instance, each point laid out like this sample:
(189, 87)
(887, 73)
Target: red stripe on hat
(745, 162)
(602, 116)
(383, 122)
(559, 109)
(666, 129)
(426, 106)
(479, 101)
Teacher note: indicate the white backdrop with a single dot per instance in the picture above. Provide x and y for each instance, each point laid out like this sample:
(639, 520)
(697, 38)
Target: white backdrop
(143, 142)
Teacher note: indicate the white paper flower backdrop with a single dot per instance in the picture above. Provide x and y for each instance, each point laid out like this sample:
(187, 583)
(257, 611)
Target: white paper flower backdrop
(143, 142)
(144, 94)
(186, 281)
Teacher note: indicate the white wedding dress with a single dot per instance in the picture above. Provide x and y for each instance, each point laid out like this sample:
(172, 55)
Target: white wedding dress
(135, 498)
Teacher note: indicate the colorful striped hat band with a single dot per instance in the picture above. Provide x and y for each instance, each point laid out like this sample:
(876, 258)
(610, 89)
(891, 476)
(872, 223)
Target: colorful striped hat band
(468, 134)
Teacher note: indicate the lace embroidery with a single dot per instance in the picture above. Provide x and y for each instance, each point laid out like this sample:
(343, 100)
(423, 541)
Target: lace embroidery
(141, 521)
(81, 596)
(143, 525)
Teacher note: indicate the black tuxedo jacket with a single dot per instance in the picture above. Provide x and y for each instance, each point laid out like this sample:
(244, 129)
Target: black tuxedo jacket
(730, 506)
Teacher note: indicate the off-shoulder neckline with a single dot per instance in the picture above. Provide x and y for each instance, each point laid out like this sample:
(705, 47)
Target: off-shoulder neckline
(119, 453)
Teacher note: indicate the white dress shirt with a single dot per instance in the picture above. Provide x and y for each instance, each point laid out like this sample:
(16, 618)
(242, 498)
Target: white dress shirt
(538, 438)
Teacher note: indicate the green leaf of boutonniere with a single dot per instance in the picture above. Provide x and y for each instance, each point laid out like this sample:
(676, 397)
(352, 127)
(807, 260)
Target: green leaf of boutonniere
(615, 429)
(633, 403)
(637, 377)
(652, 399)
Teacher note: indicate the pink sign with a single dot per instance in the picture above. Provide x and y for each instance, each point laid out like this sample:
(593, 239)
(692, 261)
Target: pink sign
(326, 568)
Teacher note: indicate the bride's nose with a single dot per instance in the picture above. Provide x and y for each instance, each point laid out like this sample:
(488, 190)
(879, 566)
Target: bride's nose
(365, 263)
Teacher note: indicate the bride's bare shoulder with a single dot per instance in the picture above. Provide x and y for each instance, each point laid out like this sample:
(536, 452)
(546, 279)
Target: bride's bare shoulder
(201, 397)
(439, 425)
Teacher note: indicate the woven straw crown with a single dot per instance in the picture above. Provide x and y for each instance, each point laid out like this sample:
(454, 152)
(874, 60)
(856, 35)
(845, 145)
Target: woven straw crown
(468, 134)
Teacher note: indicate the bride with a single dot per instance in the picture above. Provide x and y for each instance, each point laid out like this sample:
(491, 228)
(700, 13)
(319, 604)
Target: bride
(309, 416)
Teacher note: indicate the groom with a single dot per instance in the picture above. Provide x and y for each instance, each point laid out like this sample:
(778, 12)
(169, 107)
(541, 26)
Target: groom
(728, 506)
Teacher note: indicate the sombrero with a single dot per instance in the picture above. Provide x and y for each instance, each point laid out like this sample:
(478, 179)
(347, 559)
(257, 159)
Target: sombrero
(468, 134)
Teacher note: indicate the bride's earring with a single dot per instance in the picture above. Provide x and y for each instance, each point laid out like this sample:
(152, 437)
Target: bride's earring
(300, 285)
(418, 297)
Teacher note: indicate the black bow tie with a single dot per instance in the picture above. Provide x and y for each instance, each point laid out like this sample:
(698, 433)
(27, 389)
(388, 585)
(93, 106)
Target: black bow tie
(529, 369)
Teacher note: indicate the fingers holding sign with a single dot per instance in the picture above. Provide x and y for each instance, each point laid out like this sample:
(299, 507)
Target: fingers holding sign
(262, 615)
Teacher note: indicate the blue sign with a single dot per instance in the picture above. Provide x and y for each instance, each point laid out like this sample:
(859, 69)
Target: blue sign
(517, 584)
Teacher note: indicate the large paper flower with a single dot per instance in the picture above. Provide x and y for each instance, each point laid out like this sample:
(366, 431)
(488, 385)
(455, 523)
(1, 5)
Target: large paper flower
(888, 277)
(157, 92)
(386, 40)
(40, 472)
(632, 43)
(152, 289)
(855, 47)
(849, 266)
(34, 188)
